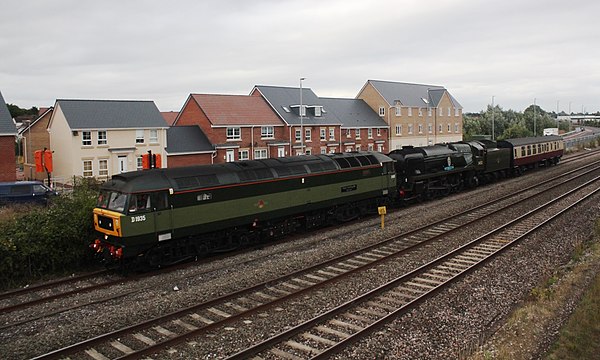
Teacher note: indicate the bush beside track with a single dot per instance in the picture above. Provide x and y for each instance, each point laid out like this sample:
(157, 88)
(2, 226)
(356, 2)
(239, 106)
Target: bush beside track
(38, 242)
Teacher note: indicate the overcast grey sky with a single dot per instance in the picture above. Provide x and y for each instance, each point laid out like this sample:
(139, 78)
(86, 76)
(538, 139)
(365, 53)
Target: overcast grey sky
(514, 50)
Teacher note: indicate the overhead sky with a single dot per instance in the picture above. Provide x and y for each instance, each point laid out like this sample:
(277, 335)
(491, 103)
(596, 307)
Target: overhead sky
(512, 50)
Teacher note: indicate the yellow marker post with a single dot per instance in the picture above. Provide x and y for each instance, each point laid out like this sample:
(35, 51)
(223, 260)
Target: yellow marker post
(382, 211)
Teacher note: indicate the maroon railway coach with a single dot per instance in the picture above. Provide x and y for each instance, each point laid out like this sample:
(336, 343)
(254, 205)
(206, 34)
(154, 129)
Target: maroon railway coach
(531, 152)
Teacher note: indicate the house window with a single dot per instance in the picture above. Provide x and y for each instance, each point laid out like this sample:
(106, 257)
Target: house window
(455, 127)
(380, 147)
(102, 137)
(297, 135)
(448, 127)
(420, 128)
(441, 112)
(139, 163)
(103, 167)
(331, 133)
(233, 133)
(398, 111)
(449, 111)
(440, 128)
(378, 132)
(381, 111)
(260, 153)
(317, 111)
(409, 111)
(410, 129)
(428, 111)
(420, 112)
(348, 133)
(267, 132)
(244, 154)
(370, 147)
(455, 111)
(153, 136)
(303, 110)
(323, 134)
(86, 138)
(357, 133)
(323, 150)
(370, 133)
(139, 136)
(429, 128)
(307, 134)
(308, 151)
(88, 170)
(398, 130)
(357, 149)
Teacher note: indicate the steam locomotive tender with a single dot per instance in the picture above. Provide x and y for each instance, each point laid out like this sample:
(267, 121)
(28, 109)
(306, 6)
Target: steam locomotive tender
(160, 216)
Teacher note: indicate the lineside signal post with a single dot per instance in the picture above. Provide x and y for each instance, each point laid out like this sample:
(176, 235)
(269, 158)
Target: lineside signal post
(382, 211)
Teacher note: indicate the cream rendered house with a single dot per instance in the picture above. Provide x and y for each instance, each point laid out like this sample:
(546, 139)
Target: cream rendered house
(418, 115)
(101, 138)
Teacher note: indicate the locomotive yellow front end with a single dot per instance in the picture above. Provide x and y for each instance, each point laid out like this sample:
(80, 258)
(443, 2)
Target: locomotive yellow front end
(108, 217)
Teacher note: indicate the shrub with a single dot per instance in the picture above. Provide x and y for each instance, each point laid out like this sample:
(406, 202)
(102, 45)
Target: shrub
(48, 240)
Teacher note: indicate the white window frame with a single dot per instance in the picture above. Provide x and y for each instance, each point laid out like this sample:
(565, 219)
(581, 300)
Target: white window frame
(441, 112)
(378, 132)
(87, 172)
(317, 111)
(449, 128)
(331, 133)
(86, 138)
(449, 111)
(381, 111)
(348, 133)
(298, 135)
(267, 132)
(398, 129)
(102, 137)
(233, 133)
(357, 134)
(153, 139)
(244, 154)
(429, 128)
(456, 127)
(323, 134)
(369, 133)
(409, 111)
(428, 111)
(308, 134)
(420, 128)
(398, 111)
(139, 136)
(420, 112)
(260, 154)
(440, 128)
(102, 167)
(139, 163)
(410, 129)
(456, 112)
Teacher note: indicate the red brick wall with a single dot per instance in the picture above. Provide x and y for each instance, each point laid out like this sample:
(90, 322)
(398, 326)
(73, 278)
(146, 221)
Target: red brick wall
(188, 160)
(8, 161)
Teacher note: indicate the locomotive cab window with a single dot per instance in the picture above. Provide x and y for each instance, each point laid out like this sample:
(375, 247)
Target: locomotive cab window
(139, 203)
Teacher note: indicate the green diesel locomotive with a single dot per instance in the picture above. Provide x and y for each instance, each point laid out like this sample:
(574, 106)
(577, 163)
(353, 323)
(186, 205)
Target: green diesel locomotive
(161, 216)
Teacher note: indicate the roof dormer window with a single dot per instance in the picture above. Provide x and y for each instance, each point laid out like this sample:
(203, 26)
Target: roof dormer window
(318, 110)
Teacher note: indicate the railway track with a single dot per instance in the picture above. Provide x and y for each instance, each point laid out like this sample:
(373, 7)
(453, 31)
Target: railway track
(156, 334)
(330, 332)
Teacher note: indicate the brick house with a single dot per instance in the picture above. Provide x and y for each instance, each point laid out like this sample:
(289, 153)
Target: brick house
(362, 129)
(417, 114)
(35, 137)
(240, 127)
(311, 127)
(8, 131)
(101, 138)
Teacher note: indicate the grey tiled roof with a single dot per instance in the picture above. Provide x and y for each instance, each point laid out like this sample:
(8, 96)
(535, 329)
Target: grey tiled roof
(7, 126)
(187, 139)
(282, 98)
(111, 114)
(353, 113)
(411, 94)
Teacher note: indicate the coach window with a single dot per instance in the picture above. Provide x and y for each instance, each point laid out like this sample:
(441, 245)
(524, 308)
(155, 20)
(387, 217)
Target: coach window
(528, 150)
(522, 150)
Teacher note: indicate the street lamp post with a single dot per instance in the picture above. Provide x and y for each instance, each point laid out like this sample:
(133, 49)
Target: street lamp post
(492, 118)
(301, 120)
